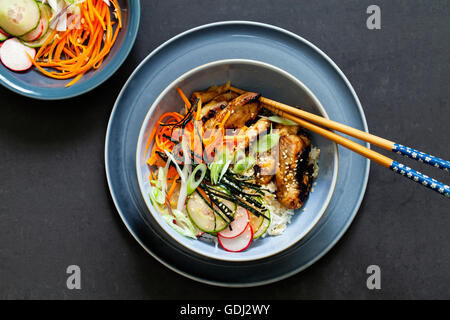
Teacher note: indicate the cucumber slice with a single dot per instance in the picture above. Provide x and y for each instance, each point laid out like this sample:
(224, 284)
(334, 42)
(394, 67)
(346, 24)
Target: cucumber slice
(204, 217)
(46, 13)
(18, 17)
(44, 24)
(231, 205)
(256, 222)
(39, 42)
(3, 37)
(264, 226)
(47, 9)
(36, 33)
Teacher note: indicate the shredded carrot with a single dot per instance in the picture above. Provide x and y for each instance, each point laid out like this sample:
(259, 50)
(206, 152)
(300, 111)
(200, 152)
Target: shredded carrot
(187, 104)
(152, 160)
(203, 193)
(46, 42)
(87, 19)
(164, 137)
(117, 12)
(172, 187)
(222, 124)
(75, 51)
(152, 175)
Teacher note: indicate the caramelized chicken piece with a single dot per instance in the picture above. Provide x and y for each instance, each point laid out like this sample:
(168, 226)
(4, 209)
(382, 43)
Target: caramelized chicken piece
(265, 165)
(265, 168)
(241, 115)
(292, 177)
(211, 93)
(256, 129)
(238, 112)
(216, 105)
(227, 96)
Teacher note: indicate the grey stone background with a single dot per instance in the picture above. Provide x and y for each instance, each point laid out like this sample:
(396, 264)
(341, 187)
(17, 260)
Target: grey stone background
(55, 209)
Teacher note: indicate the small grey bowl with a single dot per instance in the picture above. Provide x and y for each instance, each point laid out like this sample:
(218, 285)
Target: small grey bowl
(272, 83)
(34, 84)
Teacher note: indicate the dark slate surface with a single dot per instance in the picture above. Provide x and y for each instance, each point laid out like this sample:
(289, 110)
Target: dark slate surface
(55, 209)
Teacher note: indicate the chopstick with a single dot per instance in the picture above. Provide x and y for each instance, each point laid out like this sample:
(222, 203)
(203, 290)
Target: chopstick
(300, 117)
(372, 139)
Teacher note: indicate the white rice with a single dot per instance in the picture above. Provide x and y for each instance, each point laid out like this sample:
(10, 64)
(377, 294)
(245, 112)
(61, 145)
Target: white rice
(314, 160)
(279, 215)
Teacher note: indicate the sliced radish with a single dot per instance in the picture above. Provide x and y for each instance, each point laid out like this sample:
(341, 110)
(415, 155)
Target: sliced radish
(239, 243)
(13, 55)
(36, 33)
(238, 225)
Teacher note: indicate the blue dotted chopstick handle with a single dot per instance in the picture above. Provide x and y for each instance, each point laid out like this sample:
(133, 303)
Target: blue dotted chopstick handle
(422, 157)
(421, 178)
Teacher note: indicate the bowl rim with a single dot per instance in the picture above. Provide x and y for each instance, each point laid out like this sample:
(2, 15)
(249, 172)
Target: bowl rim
(161, 222)
(131, 35)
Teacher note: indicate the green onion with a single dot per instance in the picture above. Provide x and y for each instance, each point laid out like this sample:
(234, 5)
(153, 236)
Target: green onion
(192, 183)
(219, 167)
(156, 196)
(186, 173)
(224, 170)
(162, 177)
(215, 168)
(184, 226)
(267, 142)
(180, 172)
(281, 120)
(242, 162)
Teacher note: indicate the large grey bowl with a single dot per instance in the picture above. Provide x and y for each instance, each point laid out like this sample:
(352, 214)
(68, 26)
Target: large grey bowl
(272, 83)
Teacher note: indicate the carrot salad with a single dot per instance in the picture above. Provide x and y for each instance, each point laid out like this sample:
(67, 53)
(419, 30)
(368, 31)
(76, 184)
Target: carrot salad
(84, 45)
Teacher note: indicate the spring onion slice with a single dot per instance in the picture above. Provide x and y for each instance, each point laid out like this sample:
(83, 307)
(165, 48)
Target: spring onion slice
(182, 223)
(220, 166)
(224, 170)
(186, 172)
(281, 120)
(162, 178)
(242, 162)
(267, 142)
(215, 168)
(192, 184)
(180, 172)
(157, 197)
(158, 191)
